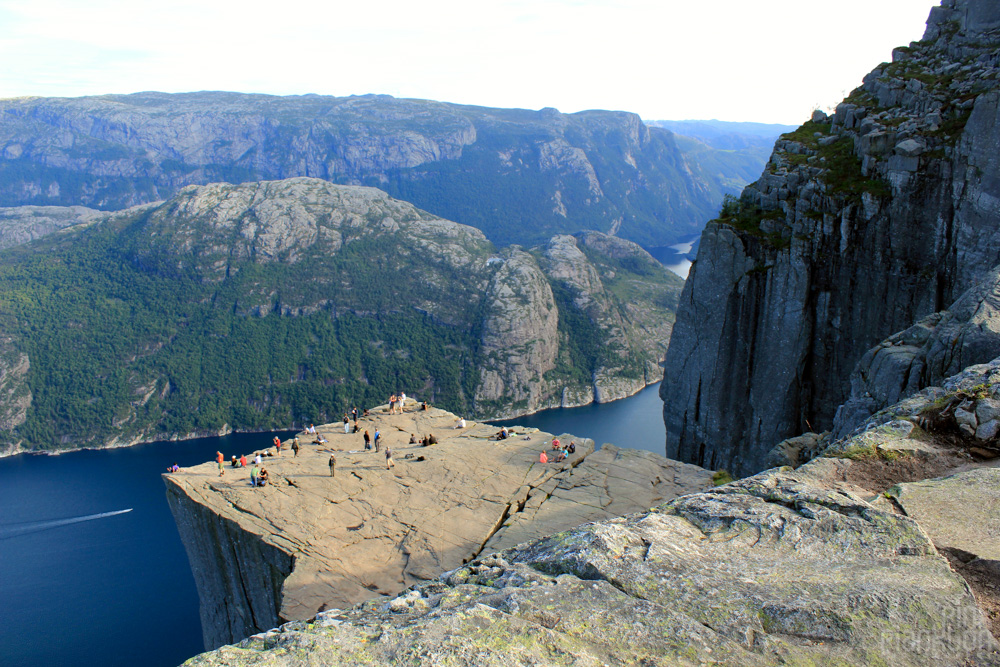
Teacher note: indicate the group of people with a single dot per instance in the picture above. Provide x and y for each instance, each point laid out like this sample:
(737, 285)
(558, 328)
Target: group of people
(425, 441)
(558, 451)
(258, 473)
(396, 403)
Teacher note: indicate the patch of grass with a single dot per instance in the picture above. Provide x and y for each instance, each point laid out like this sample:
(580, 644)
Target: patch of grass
(747, 217)
(721, 477)
(843, 172)
(806, 133)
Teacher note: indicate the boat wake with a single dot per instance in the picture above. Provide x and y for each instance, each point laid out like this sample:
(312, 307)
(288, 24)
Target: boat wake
(27, 527)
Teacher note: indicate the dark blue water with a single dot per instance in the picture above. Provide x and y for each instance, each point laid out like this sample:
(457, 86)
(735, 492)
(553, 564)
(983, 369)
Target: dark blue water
(118, 590)
(635, 422)
(100, 590)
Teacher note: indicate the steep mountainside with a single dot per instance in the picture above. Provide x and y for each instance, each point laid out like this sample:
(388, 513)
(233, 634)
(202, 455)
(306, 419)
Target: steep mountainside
(520, 176)
(269, 304)
(861, 224)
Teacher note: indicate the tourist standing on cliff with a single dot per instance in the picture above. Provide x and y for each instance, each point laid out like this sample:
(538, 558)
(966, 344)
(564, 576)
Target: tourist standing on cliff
(220, 458)
(368, 440)
(347, 424)
(392, 404)
(254, 471)
(333, 465)
(378, 437)
(354, 413)
(389, 463)
(402, 402)
(295, 445)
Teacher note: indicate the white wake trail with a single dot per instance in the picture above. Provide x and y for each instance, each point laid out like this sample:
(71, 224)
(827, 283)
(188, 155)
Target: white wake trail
(38, 526)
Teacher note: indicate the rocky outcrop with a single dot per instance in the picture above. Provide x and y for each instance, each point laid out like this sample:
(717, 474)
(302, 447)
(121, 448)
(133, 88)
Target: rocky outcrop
(520, 340)
(520, 176)
(23, 224)
(15, 394)
(252, 306)
(863, 223)
(781, 568)
(937, 347)
(309, 541)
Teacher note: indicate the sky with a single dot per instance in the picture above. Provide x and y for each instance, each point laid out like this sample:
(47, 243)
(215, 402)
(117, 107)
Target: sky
(767, 61)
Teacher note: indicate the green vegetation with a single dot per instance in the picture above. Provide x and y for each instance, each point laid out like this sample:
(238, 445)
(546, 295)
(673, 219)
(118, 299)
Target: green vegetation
(841, 166)
(747, 217)
(721, 477)
(106, 338)
(843, 172)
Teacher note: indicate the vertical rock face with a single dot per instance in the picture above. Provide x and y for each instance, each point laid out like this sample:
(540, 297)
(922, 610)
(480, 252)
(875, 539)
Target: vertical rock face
(239, 574)
(520, 342)
(938, 346)
(863, 222)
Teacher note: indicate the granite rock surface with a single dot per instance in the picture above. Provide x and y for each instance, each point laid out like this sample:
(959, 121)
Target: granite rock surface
(864, 222)
(786, 567)
(309, 541)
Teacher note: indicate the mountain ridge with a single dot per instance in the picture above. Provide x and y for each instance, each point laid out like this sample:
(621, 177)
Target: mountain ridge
(521, 176)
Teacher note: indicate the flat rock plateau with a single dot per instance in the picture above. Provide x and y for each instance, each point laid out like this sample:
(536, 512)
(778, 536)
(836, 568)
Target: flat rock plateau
(853, 558)
(309, 541)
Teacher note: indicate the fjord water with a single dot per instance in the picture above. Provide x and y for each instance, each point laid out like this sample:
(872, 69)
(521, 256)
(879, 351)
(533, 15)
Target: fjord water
(82, 584)
(635, 422)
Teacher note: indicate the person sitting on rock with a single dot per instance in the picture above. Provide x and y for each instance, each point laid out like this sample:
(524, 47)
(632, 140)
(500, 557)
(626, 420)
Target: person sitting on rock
(423, 406)
(311, 430)
(555, 443)
(262, 477)
(572, 447)
(174, 468)
(413, 438)
(233, 462)
(460, 423)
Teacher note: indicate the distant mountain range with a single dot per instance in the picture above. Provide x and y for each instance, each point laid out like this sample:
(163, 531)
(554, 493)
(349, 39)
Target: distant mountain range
(519, 176)
(733, 153)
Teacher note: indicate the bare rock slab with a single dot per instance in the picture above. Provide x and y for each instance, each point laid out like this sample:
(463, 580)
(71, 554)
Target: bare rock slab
(780, 568)
(311, 541)
(961, 511)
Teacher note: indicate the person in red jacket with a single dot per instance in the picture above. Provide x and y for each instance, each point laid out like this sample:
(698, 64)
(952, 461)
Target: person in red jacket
(220, 458)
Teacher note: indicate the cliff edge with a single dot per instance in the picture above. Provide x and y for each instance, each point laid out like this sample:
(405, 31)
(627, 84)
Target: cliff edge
(863, 223)
(823, 565)
(310, 541)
